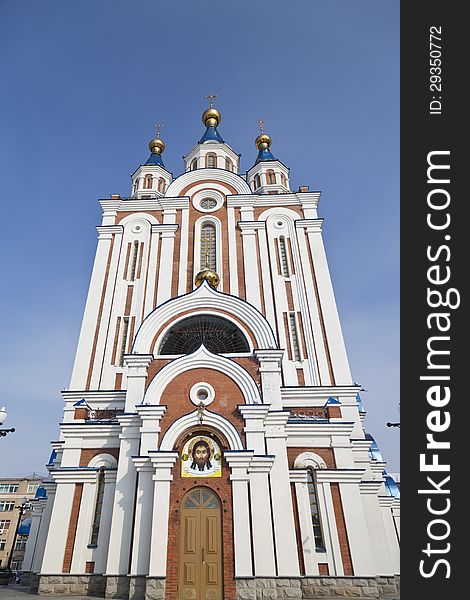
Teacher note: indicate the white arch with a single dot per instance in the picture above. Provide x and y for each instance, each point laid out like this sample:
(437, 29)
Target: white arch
(103, 460)
(212, 300)
(203, 358)
(279, 211)
(139, 216)
(309, 459)
(199, 175)
(212, 419)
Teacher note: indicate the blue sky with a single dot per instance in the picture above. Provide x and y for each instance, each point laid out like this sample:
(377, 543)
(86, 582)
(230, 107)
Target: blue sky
(84, 83)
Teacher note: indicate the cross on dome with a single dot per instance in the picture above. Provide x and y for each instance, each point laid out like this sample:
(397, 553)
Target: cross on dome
(158, 126)
(261, 124)
(211, 96)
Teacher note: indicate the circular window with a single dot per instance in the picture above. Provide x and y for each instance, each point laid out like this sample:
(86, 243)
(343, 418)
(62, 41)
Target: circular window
(202, 392)
(208, 200)
(208, 203)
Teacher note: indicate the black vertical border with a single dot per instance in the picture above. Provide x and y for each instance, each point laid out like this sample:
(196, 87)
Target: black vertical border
(421, 133)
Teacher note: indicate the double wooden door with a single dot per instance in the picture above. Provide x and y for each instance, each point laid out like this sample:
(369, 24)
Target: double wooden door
(200, 557)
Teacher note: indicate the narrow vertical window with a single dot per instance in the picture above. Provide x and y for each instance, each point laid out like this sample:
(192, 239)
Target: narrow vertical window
(315, 514)
(136, 186)
(125, 329)
(208, 247)
(228, 164)
(270, 176)
(211, 161)
(283, 256)
(135, 252)
(294, 336)
(148, 182)
(283, 180)
(194, 165)
(161, 184)
(98, 508)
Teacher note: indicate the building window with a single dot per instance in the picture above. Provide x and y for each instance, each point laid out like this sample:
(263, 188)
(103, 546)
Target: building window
(136, 186)
(32, 488)
(257, 181)
(98, 508)
(312, 494)
(211, 161)
(148, 182)
(2, 544)
(21, 544)
(4, 525)
(294, 337)
(161, 184)
(283, 256)
(16, 565)
(125, 329)
(8, 488)
(208, 245)
(194, 165)
(228, 164)
(7, 506)
(135, 253)
(270, 177)
(283, 180)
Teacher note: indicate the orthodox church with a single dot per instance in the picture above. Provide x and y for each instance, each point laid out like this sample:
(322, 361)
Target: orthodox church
(212, 445)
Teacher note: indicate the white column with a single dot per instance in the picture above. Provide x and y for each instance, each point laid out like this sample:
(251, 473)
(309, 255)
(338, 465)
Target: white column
(151, 415)
(396, 517)
(270, 369)
(386, 504)
(261, 517)
(100, 554)
(143, 517)
(232, 249)
(59, 526)
(36, 515)
(330, 530)
(163, 463)
(44, 526)
(250, 262)
(183, 259)
(281, 497)
(82, 358)
(135, 366)
(375, 525)
(239, 462)
(152, 271)
(299, 478)
(254, 415)
(165, 271)
(85, 522)
(266, 275)
(123, 510)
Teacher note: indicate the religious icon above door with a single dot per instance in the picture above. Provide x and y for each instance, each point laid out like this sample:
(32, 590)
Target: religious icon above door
(201, 457)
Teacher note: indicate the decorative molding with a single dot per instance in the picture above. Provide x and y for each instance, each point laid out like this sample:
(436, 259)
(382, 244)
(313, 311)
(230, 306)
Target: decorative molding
(309, 459)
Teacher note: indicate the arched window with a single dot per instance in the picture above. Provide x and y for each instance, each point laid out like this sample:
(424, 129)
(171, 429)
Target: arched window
(194, 164)
(283, 256)
(136, 185)
(270, 176)
(219, 336)
(211, 160)
(228, 164)
(208, 247)
(161, 184)
(98, 508)
(257, 181)
(148, 182)
(283, 180)
(314, 512)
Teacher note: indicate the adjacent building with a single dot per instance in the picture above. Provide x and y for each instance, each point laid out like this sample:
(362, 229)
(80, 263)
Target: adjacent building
(213, 442)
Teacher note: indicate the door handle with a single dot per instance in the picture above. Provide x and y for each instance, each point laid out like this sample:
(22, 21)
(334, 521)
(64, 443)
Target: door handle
(203, 557)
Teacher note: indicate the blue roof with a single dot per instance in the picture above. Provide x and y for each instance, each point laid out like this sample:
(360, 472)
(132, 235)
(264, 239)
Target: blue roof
(24, 527)
(52, 457)
(332, 400)
(374, 451)
(40, 492)
(155, 159)
(359, 403)
(391, 486)
(265, 154)
(211, 135)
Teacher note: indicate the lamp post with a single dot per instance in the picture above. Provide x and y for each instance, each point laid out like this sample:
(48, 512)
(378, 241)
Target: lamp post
(22, 509)
(3, 418)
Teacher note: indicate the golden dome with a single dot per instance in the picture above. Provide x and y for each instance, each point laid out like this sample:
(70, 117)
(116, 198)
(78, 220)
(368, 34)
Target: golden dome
(207, 275)
(156, 146)
(263, 141)
(211, 117)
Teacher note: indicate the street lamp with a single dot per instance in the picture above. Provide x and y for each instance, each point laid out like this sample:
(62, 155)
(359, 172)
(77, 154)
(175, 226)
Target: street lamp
(3, 418)
(22, 509)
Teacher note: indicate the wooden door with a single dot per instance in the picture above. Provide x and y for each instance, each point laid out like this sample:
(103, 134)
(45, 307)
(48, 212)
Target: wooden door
(200, 559)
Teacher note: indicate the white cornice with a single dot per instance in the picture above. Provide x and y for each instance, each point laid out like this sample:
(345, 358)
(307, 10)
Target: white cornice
(316, 428)
(339, 475)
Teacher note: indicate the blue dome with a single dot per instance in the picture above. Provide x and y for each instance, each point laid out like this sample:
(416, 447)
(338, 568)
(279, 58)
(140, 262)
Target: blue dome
(391, 486)
(374, 451)
(265, 154)
(155, 159)
(211, 135)
(359, 403)
(40, 493)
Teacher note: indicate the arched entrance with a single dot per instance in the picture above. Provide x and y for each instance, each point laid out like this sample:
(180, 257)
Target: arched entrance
(200, 556)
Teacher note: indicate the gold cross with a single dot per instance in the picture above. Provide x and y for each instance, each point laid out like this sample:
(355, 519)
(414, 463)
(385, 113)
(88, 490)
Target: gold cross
(210, 96)
(261, 124)
(158, 127)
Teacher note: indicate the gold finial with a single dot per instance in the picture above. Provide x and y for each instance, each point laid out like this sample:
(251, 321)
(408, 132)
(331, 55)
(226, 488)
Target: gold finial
(157, 146)
(207, 275)
(211, 117)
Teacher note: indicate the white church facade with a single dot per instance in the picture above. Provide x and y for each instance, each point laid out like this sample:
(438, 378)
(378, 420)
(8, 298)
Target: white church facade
(212, 445)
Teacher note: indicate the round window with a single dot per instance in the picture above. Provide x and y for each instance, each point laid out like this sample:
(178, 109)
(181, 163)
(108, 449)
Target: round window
(208, 203)
(202, 392)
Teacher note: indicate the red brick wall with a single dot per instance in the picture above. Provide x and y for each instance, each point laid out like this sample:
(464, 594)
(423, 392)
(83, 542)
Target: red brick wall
(77, 497)
(325, 453)
(88, 453)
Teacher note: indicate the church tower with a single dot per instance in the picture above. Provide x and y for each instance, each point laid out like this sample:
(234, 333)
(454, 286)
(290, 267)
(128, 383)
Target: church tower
(212, 443)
